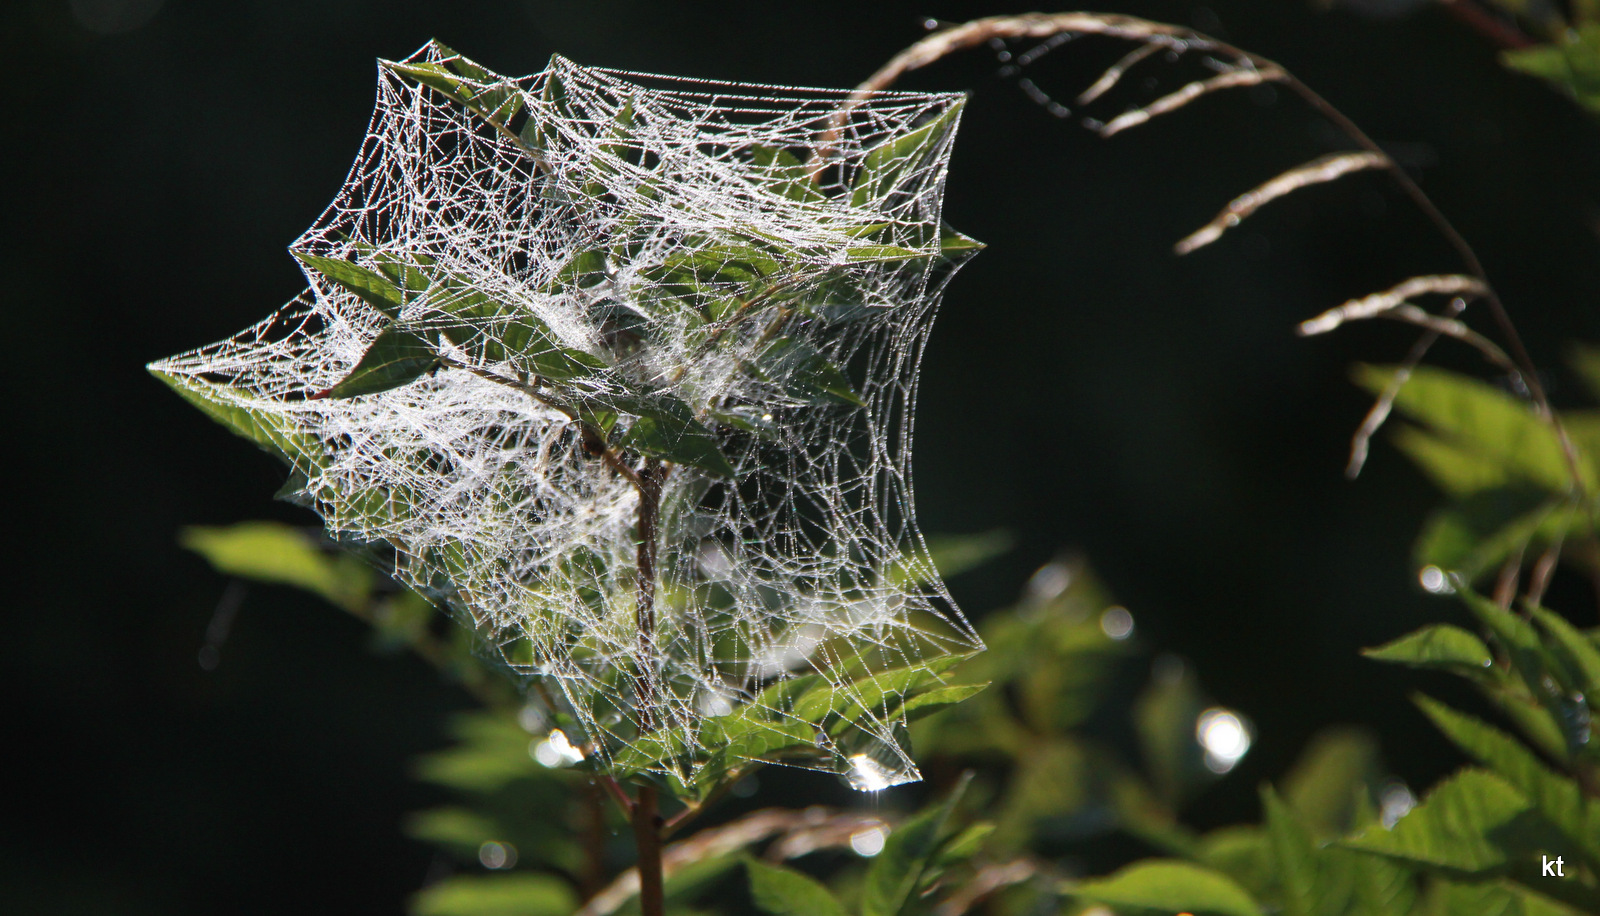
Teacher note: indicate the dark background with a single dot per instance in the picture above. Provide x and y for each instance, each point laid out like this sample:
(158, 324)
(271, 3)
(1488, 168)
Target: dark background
(1084, 389)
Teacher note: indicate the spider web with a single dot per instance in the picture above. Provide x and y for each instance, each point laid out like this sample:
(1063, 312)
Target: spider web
(797, 593)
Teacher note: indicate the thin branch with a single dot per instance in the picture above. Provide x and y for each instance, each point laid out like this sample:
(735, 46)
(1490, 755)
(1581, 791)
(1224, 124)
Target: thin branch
(989, 878)
(1109, 79)
(1450, 327)
(1317, 171)
(1392, 298)
(720, 841)
(1361, 442)
(1038, 25)
(1232, 79)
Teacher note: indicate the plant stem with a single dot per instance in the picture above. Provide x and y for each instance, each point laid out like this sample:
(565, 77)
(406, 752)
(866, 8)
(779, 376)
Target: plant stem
(647, 808)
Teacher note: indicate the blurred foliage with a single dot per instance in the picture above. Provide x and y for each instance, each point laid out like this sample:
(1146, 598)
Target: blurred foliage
(1566, 49)
(1082, 739)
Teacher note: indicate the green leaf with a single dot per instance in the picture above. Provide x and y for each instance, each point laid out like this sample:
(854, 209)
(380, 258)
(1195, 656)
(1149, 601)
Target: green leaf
(457, 829)
(1304, 887)
(517, 894)
(1484, 421)
(1440, 647)
(1472, 824)
(491, 752)
(786, 892)
(953, 243)
(1161, 888)
(1572, 62)
(397, 356)
(886, 166)
(271, 431)
(1529, 658)
(874, 693)
(274, 552)
(666, 428)
(786, 175)
(896, 872)
(1556, 797)
(373, 287)
(1338, 766)
(483, 93)
(1480, 533)
(1585, 360)
(934, 700)
(882, 253)
(964, 845)
(805, 373)
(1164, 717)
(1579, 657)
(1450, 899)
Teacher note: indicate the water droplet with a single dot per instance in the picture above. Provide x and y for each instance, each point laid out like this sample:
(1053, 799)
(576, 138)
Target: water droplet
(1225, 737)
(869, 840)
(1434, 581)
(1394, 802)
(1049, 581)
(1116, 622)
(532, 719)
(555, 751)
(868, 775)
(498, 856)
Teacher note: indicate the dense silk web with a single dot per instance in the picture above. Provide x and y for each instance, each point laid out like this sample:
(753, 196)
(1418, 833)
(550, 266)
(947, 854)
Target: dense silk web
(685, 238)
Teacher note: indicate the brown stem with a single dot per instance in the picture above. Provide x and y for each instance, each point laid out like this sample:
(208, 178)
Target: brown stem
(647, 807)
(647, 837)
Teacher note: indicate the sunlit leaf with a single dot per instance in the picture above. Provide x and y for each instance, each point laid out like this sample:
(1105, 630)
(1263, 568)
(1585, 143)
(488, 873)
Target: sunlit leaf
(1438, 646)
(786, 892)
(278, 553)
(1161, 888)
(397, 356)
(520, 894)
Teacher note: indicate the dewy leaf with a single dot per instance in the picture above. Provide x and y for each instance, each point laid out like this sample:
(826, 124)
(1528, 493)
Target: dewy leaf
(786, 892)
(398, 356)
(806, 373)
(1161, 888)
(374, 288)
(886, 166)
(1441, 646)
(1579, 656)
(635, 314)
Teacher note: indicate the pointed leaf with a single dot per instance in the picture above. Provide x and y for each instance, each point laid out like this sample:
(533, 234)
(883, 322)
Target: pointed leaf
(896, 872)
(1441, 647)
(786, 892)
(271, 431)
(1161, 888)
(886, 166)
(1557, 797)
(806, 373)
(278, 553)
(397, 356)
(373, 288)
